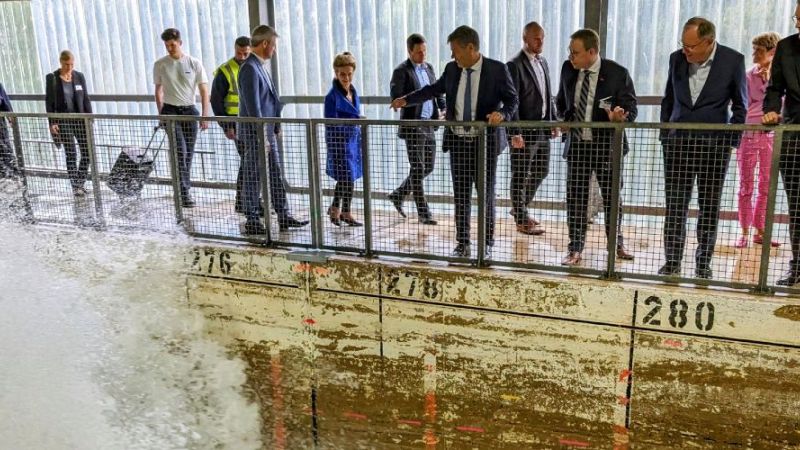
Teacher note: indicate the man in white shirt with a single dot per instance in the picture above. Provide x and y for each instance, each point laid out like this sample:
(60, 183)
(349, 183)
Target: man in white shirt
(177, 76)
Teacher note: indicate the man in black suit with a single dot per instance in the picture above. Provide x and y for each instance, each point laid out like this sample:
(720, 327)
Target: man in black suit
(704, 78)
(409, 76)
(592, 89)
(784, 92)
(530, 147)
(476, 88)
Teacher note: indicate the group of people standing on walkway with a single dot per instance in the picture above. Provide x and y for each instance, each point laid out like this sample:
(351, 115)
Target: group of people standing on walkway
(706, 83)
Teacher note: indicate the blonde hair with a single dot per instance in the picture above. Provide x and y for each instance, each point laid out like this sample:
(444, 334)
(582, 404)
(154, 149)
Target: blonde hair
(768, 40)
(344, 59)
(65, 55)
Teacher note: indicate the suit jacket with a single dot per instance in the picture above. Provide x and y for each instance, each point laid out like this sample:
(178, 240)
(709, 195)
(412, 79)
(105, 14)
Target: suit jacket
(257, 95)
(496, 92)
(531, 98)
(343, 142)
(613, 81)
(784, 83)
(404, 81)
(54, 94)
(726, 85)
(5, 106)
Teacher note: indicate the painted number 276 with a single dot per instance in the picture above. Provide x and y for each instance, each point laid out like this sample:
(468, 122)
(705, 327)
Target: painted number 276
(679, 314)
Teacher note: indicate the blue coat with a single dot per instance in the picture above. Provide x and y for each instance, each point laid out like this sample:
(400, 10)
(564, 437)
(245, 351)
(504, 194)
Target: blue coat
(257, 96)
(343, 141)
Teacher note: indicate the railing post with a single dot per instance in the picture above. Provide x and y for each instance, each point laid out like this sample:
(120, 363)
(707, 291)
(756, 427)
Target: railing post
(173, 167)
(368, 252)
(263, 174)
(616, 199)
(21, 166)
(315, 190)
(480, 184)
(774, 174)
(88, 124)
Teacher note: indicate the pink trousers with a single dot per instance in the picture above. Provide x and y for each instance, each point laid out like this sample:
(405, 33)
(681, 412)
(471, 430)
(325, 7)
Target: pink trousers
(756, 149)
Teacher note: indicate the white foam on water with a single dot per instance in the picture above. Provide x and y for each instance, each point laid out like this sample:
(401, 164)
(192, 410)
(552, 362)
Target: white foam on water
(99, 348)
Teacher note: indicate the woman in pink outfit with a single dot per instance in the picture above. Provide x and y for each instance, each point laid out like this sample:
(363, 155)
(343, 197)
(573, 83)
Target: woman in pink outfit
(756, 147)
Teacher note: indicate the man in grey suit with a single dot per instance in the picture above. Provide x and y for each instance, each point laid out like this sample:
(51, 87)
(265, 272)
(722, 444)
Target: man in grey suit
(530, 148)
(410, 75)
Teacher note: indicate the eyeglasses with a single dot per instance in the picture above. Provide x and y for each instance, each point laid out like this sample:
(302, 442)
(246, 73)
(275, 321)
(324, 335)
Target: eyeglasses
(690, 47)
(795, 19)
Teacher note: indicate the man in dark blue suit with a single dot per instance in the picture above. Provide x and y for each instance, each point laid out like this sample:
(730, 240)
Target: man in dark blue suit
(704, 79)
(258, 97)
(592, 89)
(476, 88)
(8, 165)
(782, 101)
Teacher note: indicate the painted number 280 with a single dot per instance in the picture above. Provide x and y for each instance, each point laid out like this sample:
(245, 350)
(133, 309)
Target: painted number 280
(679, 314)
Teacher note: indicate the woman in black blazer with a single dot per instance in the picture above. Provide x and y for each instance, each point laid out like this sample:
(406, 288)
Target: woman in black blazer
(66, 93)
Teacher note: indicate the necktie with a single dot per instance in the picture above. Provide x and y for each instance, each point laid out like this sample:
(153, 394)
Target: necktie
(580, 111)
(467, 116)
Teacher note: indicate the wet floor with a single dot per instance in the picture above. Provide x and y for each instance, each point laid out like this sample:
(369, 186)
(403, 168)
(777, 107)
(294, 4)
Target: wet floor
(344, 371)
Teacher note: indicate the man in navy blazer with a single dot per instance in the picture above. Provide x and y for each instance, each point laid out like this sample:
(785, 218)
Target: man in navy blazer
(592, 89)
(410, 75)
(782, 101)
(704, 78)
(8, 164)
(258, 97)
(476, 89)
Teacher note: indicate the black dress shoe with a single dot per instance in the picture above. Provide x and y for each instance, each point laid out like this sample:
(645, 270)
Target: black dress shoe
(291, 222)
(670, 268)
(703, 272)
(251, 228)
(790, 278)
(352, 222)
(398, 204)
(461, 251)
(187, 201)
(427, 221)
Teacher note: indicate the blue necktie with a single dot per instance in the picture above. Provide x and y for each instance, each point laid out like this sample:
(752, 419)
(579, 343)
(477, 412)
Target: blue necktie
(467, 116)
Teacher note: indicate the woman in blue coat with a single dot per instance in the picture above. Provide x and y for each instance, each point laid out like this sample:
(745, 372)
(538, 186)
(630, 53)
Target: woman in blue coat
(343, 141)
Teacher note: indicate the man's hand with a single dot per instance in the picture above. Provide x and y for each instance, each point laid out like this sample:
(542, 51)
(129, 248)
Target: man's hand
(54, 129)
(555, 132)
(770, 118)
(230, 133)
(203, 124)
(398, 103)
(517, 141)
(495, 118)
(617, 114)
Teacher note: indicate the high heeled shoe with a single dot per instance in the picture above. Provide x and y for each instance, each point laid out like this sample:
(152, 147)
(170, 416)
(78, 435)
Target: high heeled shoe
(349, 220)
(333, 214)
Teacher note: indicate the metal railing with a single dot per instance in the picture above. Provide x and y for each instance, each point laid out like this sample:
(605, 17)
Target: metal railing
(634, 184)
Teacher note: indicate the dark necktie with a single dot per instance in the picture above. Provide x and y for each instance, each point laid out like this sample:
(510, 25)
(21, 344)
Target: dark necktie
(467, 116)
(583, 100)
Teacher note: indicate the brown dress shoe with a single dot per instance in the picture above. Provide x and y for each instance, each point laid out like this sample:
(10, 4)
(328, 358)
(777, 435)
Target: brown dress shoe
(530, 228)
(572, 259)
(623, 253)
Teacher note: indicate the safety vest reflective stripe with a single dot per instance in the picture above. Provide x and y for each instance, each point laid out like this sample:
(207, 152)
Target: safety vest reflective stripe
(231, 72)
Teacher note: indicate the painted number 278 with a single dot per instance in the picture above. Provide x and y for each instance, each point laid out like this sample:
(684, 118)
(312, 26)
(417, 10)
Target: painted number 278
(679, 314)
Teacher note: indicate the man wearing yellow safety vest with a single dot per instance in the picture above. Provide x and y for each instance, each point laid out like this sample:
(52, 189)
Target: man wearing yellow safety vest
(225, 100)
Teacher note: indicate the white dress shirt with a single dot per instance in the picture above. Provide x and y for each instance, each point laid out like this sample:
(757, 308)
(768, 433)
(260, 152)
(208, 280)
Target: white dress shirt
(538, 70)
(698, 75)
(594, 74)
(475, 79)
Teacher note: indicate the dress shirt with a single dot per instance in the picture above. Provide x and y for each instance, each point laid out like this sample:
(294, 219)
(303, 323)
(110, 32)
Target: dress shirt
(594, 73)
(475, 78)
(538, 70)
(698, 75)
(265, 66)
(421, 70)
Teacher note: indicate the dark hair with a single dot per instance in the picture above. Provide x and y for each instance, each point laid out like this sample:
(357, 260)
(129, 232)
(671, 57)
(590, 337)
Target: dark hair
(171, 34)
(414, 39)
(242, 41)
(532, 26)
(705, 28)
(464, 36)
(589, 38)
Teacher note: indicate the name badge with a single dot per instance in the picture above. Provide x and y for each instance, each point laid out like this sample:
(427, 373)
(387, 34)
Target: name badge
(78, 87)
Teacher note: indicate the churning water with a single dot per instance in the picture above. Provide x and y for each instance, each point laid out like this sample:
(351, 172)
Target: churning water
(99, 348)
